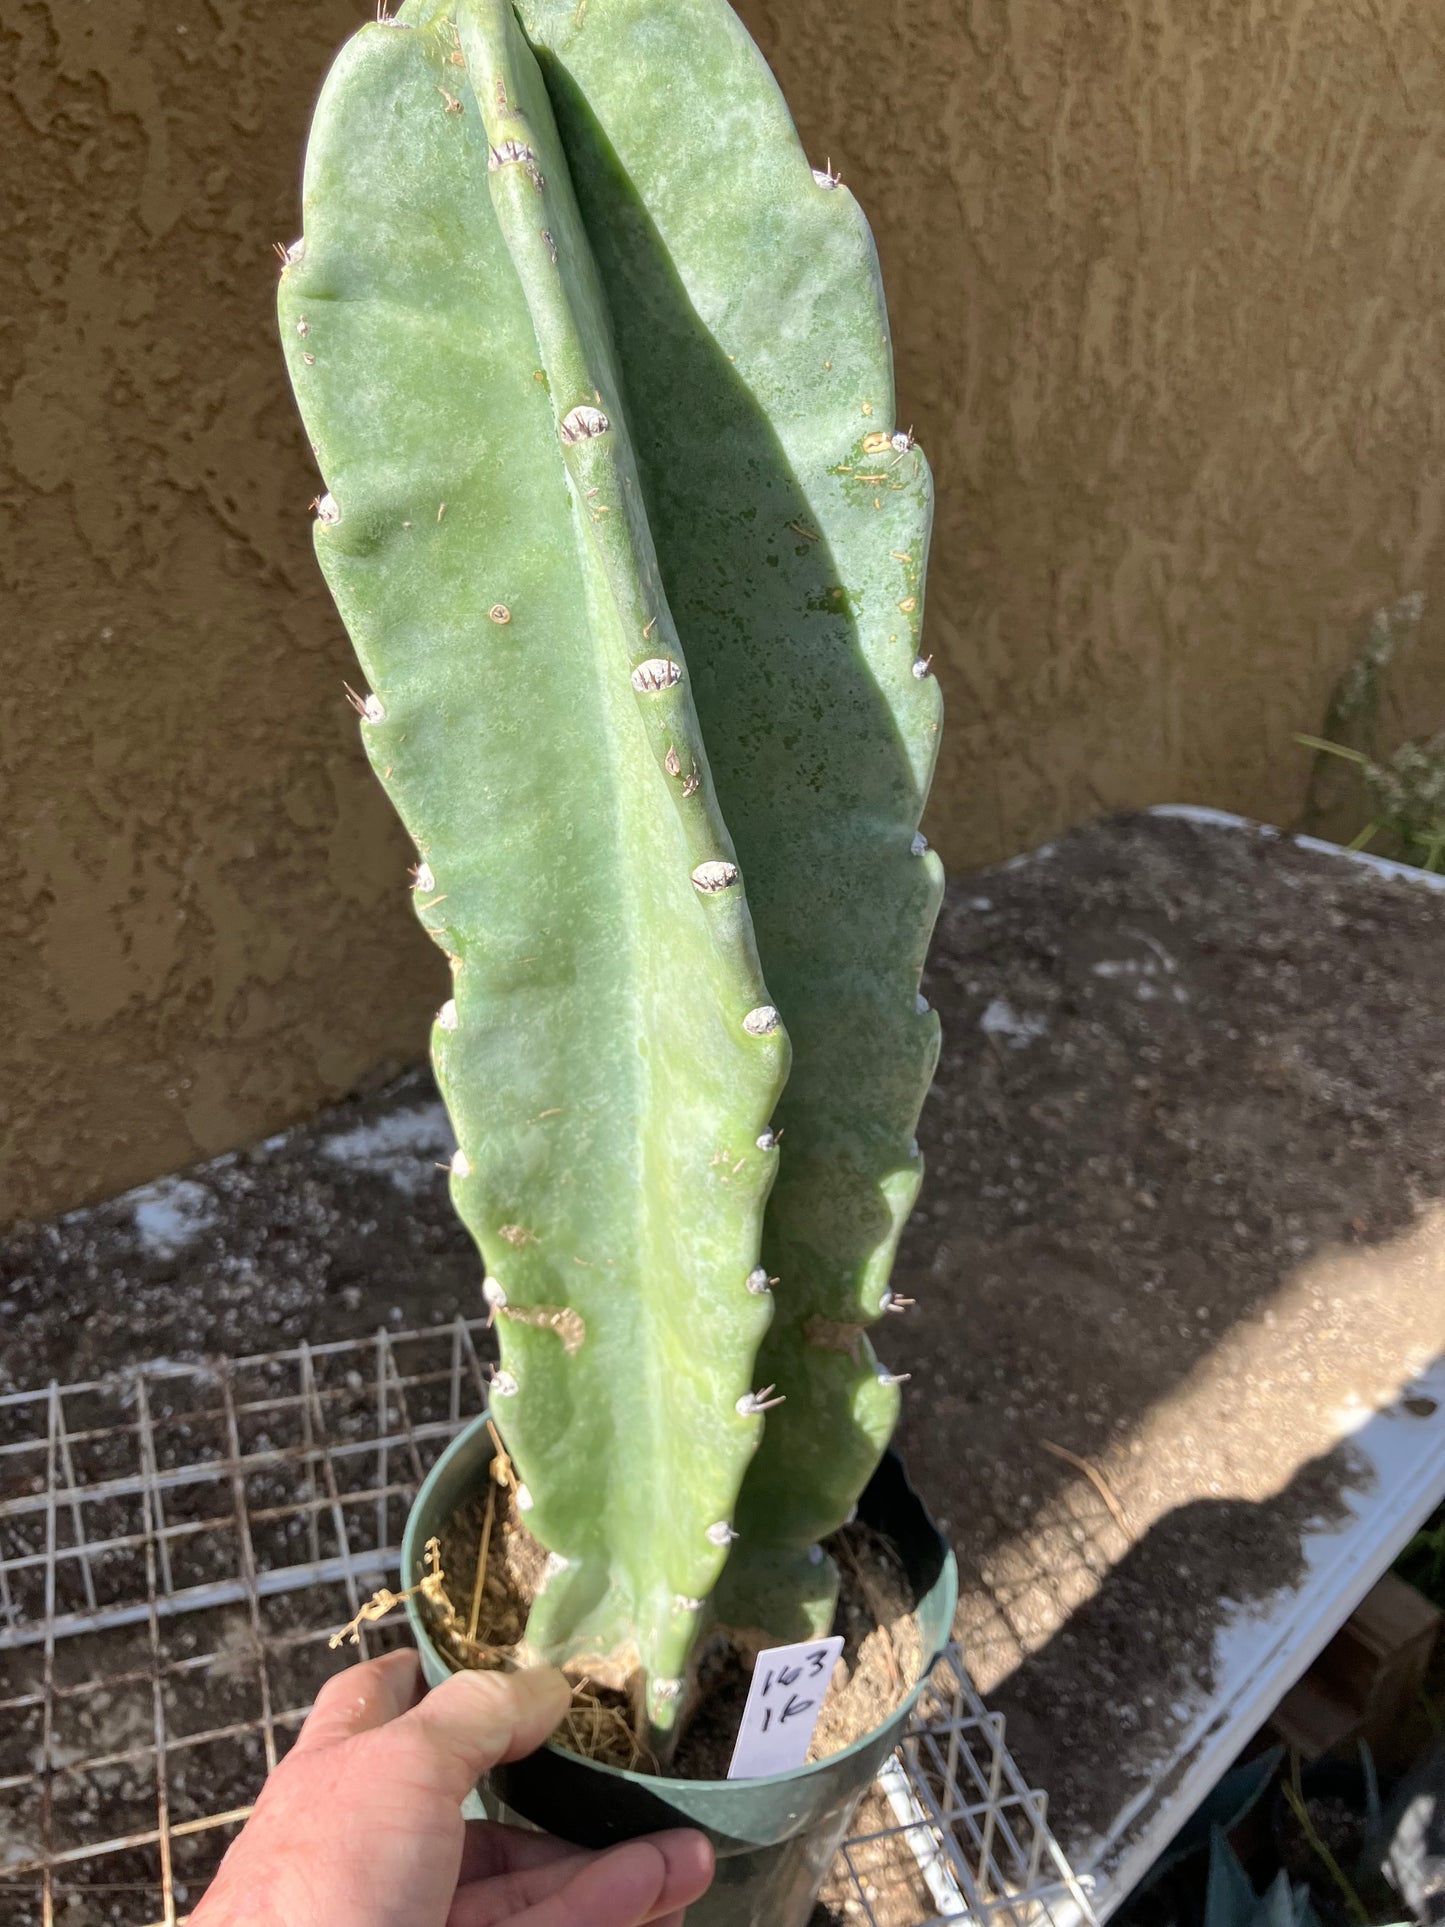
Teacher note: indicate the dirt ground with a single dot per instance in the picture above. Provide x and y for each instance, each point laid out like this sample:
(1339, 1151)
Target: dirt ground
(322, 1233)
(1182, 1220)
(1184, 1212)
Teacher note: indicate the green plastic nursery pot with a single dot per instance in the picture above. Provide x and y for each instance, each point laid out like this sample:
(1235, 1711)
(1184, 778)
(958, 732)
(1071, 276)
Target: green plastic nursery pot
(774, 1838)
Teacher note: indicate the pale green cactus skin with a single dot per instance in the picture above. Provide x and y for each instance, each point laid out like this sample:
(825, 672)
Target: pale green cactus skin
(632, 228)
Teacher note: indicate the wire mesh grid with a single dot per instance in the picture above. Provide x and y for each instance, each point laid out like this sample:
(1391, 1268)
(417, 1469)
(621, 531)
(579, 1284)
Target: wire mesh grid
(177, 1543)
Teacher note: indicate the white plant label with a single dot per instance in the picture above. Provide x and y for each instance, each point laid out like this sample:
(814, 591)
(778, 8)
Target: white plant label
(786, 1696)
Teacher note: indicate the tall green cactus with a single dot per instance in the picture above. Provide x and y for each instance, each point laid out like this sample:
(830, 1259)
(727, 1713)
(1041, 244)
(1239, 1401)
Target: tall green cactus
(632, 553)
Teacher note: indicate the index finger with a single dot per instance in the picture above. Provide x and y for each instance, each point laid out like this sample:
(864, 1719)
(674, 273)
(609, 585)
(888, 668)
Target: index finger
(371, 1694)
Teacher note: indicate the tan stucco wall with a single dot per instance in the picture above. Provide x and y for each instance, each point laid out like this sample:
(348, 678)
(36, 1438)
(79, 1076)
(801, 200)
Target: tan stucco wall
(1166, 282)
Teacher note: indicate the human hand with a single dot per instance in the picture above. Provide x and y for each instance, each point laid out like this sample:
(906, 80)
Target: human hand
(360, 1825)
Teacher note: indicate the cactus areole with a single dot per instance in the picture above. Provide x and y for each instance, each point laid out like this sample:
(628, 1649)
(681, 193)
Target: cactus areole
(631, 548)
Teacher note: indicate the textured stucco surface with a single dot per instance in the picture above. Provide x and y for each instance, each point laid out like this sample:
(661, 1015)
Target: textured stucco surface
(203, 919)
(1166, 282)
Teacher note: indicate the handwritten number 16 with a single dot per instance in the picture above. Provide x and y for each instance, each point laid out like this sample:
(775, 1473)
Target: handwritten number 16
(791, 1711)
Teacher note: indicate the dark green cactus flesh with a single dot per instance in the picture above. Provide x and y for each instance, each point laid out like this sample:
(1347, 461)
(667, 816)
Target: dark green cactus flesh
(632, 552)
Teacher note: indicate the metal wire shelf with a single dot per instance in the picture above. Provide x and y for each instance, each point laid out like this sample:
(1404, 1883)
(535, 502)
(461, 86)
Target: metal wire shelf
(178, 1541)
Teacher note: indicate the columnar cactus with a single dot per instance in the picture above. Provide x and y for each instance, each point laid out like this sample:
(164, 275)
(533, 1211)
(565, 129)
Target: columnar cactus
(631, 549)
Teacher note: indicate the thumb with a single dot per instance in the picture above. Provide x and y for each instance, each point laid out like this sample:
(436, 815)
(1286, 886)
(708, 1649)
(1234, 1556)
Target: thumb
(473, 1720)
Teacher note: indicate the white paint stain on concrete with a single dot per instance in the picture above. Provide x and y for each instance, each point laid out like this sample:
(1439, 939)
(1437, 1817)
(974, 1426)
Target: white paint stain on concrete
(1015, 1029)
(171, 1214)
(405, 1146)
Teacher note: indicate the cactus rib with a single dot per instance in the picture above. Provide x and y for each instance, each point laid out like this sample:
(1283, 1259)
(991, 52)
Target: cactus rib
(595, 1056)
(791, 517)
